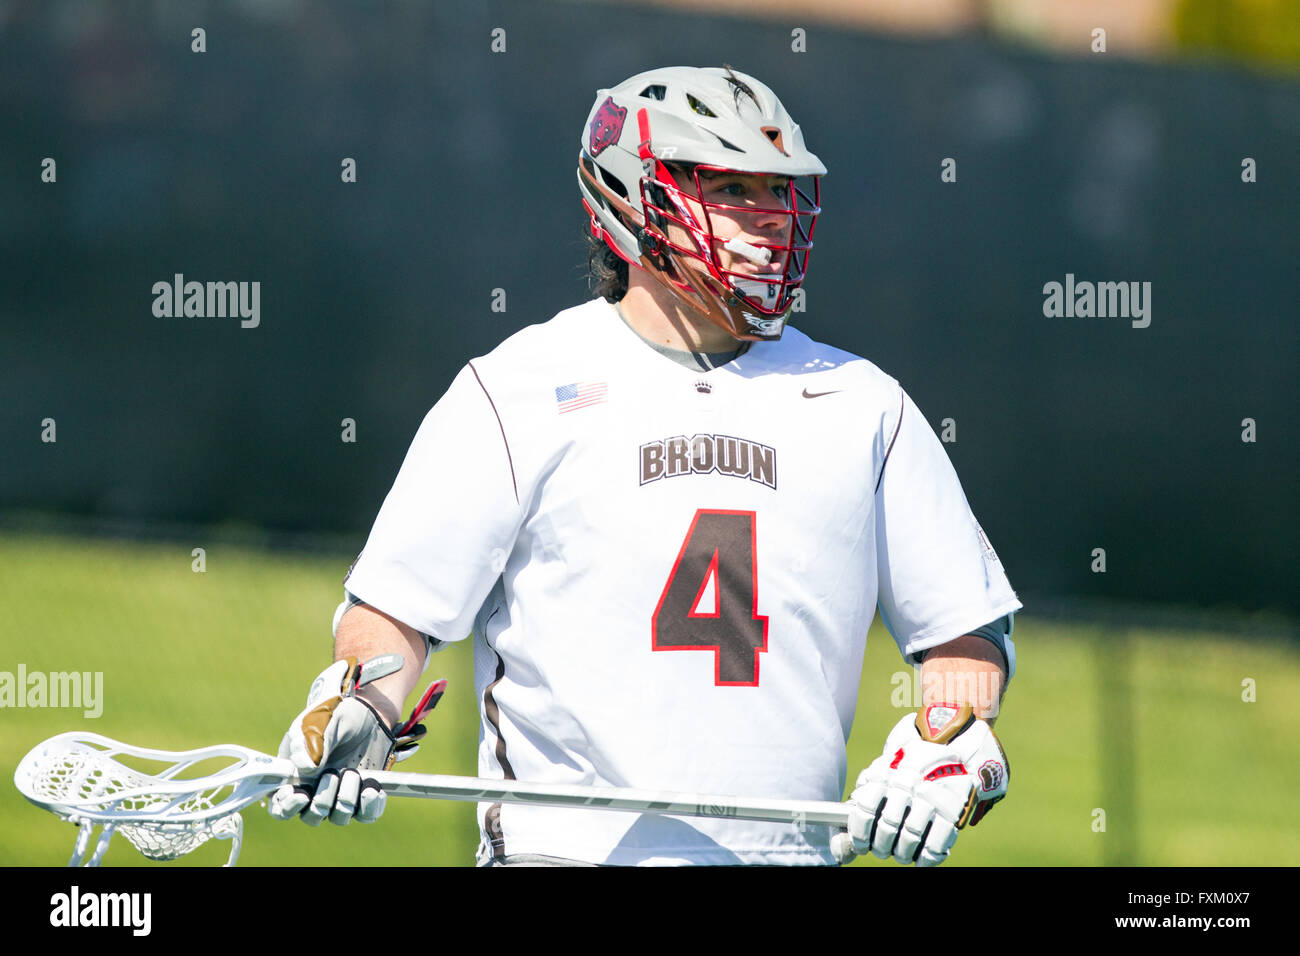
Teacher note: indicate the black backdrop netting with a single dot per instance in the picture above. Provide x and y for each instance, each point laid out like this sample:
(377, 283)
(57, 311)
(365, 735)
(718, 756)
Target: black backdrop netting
(1072, 433)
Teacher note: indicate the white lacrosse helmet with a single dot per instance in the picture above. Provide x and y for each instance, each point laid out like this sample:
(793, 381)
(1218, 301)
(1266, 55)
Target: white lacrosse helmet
(710, 119)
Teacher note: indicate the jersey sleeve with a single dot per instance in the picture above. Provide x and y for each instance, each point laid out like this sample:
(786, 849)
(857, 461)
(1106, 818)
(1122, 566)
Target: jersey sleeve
(939, 577)
(443, 533)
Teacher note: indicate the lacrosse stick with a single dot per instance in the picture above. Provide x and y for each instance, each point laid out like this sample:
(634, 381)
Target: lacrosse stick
(79, 777)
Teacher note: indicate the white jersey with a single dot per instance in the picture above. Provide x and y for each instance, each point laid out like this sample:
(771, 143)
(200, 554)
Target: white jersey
(669, 574)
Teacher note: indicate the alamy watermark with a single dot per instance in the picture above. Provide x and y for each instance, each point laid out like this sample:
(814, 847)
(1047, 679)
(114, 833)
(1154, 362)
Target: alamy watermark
(208, 300)
(983, 689)
(84, 689)
(74, 908)
(1102, 300)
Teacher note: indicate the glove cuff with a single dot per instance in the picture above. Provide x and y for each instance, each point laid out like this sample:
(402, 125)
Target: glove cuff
(941, 723)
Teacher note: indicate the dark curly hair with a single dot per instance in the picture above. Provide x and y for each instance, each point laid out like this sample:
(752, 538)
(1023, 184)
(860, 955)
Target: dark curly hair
(606, 272)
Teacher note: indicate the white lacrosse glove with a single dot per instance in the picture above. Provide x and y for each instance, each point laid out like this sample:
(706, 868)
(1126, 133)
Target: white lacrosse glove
(941, 769)
(337, 737)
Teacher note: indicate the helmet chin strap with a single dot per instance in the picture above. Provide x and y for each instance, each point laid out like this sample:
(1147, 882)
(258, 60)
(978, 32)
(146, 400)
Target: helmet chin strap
(764, 292)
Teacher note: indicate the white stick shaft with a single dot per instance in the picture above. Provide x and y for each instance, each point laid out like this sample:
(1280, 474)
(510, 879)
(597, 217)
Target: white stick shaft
(439, 787)
(258, 774)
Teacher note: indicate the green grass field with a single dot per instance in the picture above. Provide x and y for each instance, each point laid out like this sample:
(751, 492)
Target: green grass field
(1150, 728)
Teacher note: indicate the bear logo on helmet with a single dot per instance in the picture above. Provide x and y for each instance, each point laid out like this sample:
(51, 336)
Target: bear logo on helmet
(606, 126)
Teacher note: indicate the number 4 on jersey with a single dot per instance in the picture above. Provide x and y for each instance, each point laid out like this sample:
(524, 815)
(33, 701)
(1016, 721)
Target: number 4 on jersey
(710, 602)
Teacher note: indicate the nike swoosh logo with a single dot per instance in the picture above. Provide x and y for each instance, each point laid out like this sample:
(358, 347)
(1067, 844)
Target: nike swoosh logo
(808, 394)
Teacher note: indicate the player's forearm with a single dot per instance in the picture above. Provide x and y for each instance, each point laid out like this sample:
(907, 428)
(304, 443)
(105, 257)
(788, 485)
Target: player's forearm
(365, 633)
(965, 671)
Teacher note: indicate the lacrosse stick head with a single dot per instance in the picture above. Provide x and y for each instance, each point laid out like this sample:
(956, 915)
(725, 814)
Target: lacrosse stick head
(152, 797)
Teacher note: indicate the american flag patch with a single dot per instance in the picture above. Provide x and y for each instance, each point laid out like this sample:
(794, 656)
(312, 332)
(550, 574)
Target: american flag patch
(570, 398)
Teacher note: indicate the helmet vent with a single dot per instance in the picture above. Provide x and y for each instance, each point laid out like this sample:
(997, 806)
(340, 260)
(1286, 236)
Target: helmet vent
(700, 107)
(774, 134)
(728, 145)
(655, 92)
(613, 182)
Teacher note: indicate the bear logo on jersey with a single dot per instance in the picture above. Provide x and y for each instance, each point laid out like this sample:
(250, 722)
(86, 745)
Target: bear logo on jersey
(606, 126)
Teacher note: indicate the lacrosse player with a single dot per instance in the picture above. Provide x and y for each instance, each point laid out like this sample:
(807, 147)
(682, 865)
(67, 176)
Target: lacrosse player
(666, 519)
